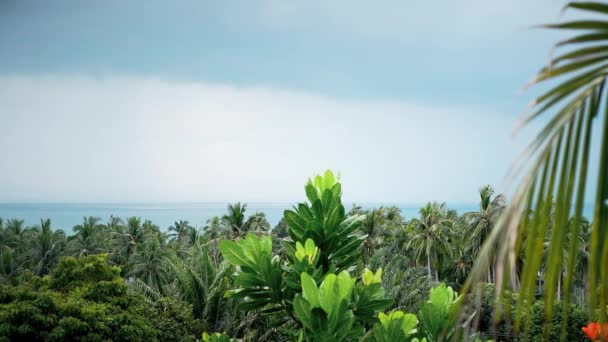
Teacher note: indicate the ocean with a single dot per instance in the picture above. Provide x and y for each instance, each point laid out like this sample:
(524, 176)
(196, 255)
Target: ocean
(67, 215)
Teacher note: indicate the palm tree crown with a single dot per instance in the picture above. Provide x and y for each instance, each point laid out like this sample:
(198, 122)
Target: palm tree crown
(431, 234)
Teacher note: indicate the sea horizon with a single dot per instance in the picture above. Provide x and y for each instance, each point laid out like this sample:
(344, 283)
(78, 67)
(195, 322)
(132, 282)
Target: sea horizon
(65, 215)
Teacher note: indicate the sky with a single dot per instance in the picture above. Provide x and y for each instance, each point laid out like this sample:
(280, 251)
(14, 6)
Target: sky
(194, 100)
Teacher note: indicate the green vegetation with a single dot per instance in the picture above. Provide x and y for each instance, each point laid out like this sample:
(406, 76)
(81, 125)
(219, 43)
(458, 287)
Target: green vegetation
(321, 274)
(533, 269)
(82, 298)
(543, 236)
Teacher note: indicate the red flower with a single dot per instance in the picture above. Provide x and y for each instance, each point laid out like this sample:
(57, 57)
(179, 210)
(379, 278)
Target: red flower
(595, 332)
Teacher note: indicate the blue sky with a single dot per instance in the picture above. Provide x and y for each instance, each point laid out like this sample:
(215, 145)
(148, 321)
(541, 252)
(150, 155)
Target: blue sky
(201, 100)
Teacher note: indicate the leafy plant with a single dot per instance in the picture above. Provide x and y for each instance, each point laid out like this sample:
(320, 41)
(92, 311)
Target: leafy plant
(325, 222)
(322, 250)
(396, 326)
(436, 315)
(325, 310)
(217, 337)
(554, 176)
(81, 299)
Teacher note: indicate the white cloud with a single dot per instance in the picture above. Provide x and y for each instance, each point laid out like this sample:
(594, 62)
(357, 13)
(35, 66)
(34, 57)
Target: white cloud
(126, 139)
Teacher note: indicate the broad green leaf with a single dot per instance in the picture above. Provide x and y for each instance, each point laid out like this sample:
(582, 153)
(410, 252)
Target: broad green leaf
(369, 277)
(348, 226)
(408, 323)
(247, 280)
(310, 291)
(300, 251)
(310, 247)
(329, 293)
(302, 309)
(232, 252)
(345, 285)
(296, 224)
(311, 192)
(328, 180)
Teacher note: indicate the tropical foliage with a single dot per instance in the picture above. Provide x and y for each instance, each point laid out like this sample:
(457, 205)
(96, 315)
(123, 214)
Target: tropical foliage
(543, 237)
(322, 273)
(310, 278)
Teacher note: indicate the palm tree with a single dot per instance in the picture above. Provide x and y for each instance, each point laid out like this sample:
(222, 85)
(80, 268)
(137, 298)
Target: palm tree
(10, 267)
(115, 224)
(85, 241)
(129, 240)
(46, 247)
(393, 214)
(214, 231)
(202, 283)
(150, 229)
(149, 226)
(13, 233)
(257, 223)
(373, 227)
(193, 234)
(481, 222)
(15, 226)
(180, 229)
(149, 265)
(407, 286)
(431, 235)
(554, 171)
(235, 218)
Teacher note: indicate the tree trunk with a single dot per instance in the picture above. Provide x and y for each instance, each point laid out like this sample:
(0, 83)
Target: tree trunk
(559, 286)
(514, 280)
(428, 265)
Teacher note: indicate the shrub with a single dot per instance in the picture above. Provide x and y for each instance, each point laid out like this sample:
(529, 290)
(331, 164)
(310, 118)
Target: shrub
(82, 299)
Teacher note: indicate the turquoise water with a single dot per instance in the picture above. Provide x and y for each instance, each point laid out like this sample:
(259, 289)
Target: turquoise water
(65, 216)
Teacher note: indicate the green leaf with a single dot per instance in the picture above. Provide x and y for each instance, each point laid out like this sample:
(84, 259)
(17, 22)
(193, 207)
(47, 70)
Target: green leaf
(310, 292)
(349, 225)
(585, 38)
(409, 323)
(253, 304)
(328, 293)
(345, 285)
(580, 25)
(296, 224)
(300, 251)
(302, 309)
(247, 280)
(598, 7)
(349, 247)
(369, 277)
(310, 247)
(311, 192)
(328, 180)
(232, 252)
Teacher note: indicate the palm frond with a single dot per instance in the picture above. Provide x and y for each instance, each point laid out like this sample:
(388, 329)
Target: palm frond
(553, 173)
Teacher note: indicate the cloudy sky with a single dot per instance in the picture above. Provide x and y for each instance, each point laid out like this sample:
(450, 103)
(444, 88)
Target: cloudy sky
(117, 101)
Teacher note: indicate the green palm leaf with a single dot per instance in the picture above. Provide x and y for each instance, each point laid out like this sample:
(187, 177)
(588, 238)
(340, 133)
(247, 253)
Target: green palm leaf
(553, 174)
